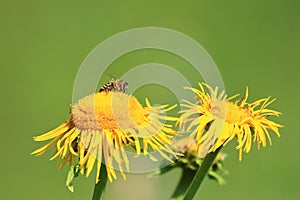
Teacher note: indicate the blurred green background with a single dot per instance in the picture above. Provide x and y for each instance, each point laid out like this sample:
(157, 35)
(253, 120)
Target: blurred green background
(43, 43)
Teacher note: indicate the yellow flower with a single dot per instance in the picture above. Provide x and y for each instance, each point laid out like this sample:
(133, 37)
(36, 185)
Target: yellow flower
(215, 119)
(102, 125)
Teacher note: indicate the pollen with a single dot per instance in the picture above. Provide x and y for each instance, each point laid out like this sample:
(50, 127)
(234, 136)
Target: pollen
(112, 110)
(235, 114)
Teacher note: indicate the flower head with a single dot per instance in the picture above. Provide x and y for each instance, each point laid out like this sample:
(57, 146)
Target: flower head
(215, 119)
(102, 125)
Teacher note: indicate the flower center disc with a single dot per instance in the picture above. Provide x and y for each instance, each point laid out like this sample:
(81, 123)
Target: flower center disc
(232, 113)
(110, 111)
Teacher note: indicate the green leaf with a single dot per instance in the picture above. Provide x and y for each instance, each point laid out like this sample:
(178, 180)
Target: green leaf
(184, 160)
(70, 177)
(72, 174)
(191, 166)
(198, 161)
(217, 177)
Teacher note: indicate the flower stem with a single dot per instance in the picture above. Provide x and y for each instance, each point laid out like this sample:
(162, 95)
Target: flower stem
(200, 174)
(99, 188)
(190, 180)
(184, 183)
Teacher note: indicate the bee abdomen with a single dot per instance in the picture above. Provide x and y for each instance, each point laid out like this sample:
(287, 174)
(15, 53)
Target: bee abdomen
(107, 87)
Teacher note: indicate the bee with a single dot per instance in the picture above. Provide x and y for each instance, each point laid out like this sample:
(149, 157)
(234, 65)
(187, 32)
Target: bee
(114, 85)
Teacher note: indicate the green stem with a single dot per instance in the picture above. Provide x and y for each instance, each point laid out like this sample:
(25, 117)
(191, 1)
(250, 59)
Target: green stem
(190, 180)
(99, 188)
(200, 174)
(184, 183)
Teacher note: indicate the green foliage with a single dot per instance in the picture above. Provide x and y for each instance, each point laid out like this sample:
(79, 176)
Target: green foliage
(192, 162)
(73, 173)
